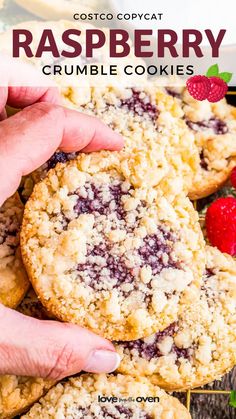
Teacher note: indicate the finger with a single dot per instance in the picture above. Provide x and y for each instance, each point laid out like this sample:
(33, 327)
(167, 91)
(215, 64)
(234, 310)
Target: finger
(30, 137)
(20, 97)
(49, 349)
(90, 132)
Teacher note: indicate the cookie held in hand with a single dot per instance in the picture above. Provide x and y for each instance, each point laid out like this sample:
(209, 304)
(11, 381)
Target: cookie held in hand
(107, 256)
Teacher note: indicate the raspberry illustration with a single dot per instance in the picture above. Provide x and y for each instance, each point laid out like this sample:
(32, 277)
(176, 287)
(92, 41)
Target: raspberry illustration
(221, 224)
(233, 177)
(199, 87)
(218, 89)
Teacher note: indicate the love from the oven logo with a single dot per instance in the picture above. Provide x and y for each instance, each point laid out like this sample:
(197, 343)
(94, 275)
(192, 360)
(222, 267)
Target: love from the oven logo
(138, 399)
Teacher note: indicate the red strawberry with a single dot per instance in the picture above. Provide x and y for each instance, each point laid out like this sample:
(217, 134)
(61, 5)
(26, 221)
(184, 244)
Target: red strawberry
(218, 89)
(199, 87)
(221, 224)
(233, 177)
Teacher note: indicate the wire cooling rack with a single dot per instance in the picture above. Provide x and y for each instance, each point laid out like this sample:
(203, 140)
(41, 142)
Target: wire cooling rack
(187, 396)
(202, 391)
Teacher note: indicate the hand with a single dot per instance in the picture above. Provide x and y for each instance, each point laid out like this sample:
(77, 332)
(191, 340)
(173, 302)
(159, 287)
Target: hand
(28, 346)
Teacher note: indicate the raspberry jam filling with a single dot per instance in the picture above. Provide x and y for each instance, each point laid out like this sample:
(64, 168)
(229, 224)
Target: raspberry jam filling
(108, 265)
(218, 126)
(170, 91)
(115, 412)
(59, 157)
(151, 350)
(209, 273)
(97, 202)
(116, 268)
(210, 292)
(140, 104)
(100, 257)
(124, 412)
(153, 249)
(203, 162)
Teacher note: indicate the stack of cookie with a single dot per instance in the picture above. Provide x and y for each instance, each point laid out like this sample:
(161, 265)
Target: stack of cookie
(112, 242)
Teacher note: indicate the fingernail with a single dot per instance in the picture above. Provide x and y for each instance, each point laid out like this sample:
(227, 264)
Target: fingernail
(102, 361)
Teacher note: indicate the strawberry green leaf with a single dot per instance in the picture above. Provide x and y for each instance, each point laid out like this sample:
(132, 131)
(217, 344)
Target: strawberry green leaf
(226, 76)
(213, 71)
(232, 399)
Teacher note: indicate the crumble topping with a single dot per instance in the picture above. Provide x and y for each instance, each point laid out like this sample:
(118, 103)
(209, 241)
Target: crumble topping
(79, 398)
(200, 346)
(87, 241)
(159, 148)
(218, 126)
(140, 104)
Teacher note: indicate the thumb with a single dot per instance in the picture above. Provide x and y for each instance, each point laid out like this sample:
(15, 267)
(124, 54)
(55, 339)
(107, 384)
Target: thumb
(50, 349)
(30, 137)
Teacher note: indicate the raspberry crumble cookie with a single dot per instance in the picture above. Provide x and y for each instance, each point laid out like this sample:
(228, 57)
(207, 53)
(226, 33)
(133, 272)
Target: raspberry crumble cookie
(159, 148)
(14, 282)
(201, 346)
(214, 128)
(107, 256)
(81, 398)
